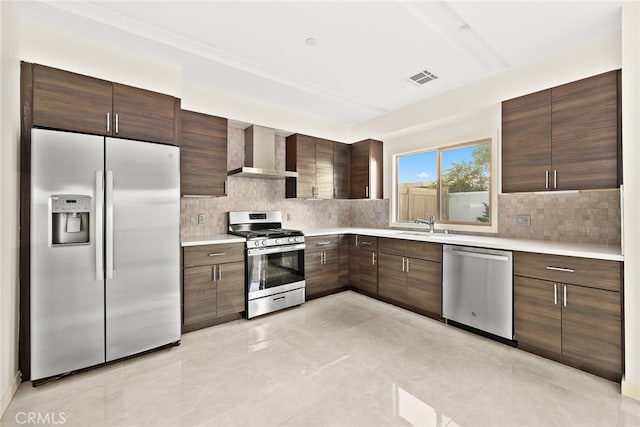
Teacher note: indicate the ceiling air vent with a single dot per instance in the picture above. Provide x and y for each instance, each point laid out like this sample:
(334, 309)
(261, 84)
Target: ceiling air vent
(423, 77)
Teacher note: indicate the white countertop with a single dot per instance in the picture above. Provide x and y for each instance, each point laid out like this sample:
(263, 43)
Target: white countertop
(214, 239)
(582, 250)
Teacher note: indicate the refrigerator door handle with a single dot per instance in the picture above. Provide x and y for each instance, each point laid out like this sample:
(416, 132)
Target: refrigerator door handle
(99, 212)
(109, 231)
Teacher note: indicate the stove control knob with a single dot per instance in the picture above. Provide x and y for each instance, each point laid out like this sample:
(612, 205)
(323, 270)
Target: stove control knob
(292, 239)
(277, 241)
(256, 243)
(263, 242)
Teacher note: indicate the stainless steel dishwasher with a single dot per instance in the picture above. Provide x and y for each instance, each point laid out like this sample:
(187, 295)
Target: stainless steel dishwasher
(477, 289)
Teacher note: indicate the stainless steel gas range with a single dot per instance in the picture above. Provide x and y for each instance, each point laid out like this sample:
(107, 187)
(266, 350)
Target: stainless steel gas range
(274, 261)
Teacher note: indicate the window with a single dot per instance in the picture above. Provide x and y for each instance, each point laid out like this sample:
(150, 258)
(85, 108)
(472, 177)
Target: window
(452, 184)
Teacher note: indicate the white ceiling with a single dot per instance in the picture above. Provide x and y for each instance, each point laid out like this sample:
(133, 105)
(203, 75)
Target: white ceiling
(364, 54)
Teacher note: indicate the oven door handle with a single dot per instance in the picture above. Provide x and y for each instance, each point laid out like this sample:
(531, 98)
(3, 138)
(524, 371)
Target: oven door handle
(275, 249)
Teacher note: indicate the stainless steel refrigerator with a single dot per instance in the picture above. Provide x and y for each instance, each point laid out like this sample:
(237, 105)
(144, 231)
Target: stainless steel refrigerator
(105, 260)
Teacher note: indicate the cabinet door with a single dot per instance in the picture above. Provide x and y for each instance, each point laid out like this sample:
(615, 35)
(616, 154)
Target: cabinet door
(585, 133)
(538, 313)
(526, 142)
(324, 168)
(424, 285)
(313, 273)
(368, 271)
(331, 269)
(64, 100)
(592, 327)
(301, 158)
(203, 154)
(366, 170)
(144, 115)
(321, 271)
(343, 253)
(199, 296)
(354, 261)
(341, 171)
(392, 280)
(230, 288)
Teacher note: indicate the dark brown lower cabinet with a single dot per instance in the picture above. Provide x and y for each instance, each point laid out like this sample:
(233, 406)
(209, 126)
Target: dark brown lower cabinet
(411, 281)
(213, 284)
(582, 325)
(363, 261)
(414, 281)
(230, 289)
(200, 296)
(321, 265)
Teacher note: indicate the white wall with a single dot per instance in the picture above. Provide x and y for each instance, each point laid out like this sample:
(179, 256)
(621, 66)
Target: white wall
(9, 207)
(631, 227)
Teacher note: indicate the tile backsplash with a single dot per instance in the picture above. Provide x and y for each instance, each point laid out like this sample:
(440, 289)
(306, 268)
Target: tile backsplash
(584, 217)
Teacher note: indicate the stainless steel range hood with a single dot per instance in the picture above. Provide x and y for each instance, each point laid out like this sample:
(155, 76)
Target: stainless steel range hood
(260, 155)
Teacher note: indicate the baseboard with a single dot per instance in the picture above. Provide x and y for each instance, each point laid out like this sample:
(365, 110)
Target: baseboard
(630, 390)
(8, 393)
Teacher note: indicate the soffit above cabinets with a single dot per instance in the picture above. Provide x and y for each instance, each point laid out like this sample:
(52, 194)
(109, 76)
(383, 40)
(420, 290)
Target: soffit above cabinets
(362, 53)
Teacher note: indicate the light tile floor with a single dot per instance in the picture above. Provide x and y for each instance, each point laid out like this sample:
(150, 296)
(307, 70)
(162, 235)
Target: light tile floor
(343, 360)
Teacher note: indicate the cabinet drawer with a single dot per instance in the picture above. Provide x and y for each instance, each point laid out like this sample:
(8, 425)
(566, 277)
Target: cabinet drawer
(367, 242)
(589, 272)
(321, 243)
(424, 250)
(213, 254)
(392, 246)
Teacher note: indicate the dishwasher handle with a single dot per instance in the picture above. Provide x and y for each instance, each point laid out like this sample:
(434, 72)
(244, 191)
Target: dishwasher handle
(492, 257)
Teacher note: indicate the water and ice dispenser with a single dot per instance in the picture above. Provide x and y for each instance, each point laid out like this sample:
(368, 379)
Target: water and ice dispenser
(70, 219)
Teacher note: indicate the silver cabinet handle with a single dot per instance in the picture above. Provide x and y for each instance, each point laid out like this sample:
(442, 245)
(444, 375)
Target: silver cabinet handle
(365, 243)
(213, 273)
(407, 265)
(565, 270)
(109, 227)
(217, 254)
(321, 258)
(99, 207)
(555, 294)
(108, 122)
(546, 179)
(373, 258)
(555, 178)
(116, 123)
(323, 243)
(366, 191)
(403, 263)
(565, 295)
(219, 273)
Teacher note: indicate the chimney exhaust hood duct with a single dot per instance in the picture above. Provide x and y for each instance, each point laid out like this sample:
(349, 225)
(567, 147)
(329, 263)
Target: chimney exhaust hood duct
(260, 155)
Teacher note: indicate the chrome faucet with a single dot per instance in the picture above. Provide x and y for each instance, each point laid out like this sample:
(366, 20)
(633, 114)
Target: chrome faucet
(430, 221)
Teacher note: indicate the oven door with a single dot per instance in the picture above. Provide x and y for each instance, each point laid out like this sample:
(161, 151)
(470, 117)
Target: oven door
(274, 269)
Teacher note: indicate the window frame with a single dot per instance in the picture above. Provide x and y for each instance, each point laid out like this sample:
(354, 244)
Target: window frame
(475, 226)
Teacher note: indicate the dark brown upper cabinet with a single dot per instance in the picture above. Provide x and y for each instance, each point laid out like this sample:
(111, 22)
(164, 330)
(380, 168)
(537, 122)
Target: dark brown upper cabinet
(313, 159)
(564, 138)
(366, 170)
(70, 101)
(203, 154)
(341, 170)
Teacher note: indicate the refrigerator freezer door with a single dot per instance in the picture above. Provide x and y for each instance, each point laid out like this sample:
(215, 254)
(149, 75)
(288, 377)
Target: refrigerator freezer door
(67, 293)
(143, 256)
